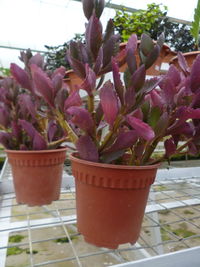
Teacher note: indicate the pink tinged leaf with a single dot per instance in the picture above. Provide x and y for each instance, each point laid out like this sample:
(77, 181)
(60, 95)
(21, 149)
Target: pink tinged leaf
(182, 62)
(57, 82)
(61, 98)
(151, 84)
(156, 99)
(21, 76)
(43, 84)
(129, 98)
(99, 61)
(138, 78)
(184, 128)
(131, 48)
(27, 105)
(109, 102)
(38, 142)
(195, 75)
(168, 92)
(51, 131)
(88, 7)
(89, 83)
(123, 141)
(87, 149)
(37, 59)
(174, 75)
(81, 118)
(61, 70)
(192, 149)
(23, 147)
(143, 129)
(152, 56)
(94, 35)
(138, 113)
(73, 99)
(170, 147)
(4, 117)
(185, 113)
(117, 81)
(77, 66)
(132, 44)
(109, 49)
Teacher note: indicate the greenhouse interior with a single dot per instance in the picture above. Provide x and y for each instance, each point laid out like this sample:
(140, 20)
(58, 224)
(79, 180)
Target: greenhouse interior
(100, 133)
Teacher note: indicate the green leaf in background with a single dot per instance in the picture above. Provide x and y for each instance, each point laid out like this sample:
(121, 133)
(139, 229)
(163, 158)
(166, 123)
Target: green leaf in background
(154, 116)
(196, 24)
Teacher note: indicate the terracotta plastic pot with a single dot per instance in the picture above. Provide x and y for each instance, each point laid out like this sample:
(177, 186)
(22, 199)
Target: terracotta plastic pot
(37, 175)
(111, 201)
(190, 57)
(71, 79)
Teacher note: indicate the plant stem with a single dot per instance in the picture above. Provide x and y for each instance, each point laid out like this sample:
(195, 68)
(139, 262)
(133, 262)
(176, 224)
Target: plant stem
(149, 150)
(91, 104)
(57, 142)
(64, 124)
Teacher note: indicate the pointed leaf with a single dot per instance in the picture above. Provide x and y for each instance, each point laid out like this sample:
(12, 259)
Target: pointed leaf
(87, 149)
(21, 76)
(138, 78)
(5, 139)
(99, 7)
(94, 35)
(38, 142)
(73, 99)
(4, 117)
(43, 84)
(143, 129)
(99, 61)
(129, 98)
(174, 75)
(109, 102)
(111, 156)
(52, 128)
(109, 30)
(154, 116)
(89, 83)
(146, 44)
(117, 81)
(88, 6)
(170, 147)
(109, 49)
(77, 66)
(27, 105)
(152, 56)
(182, 62)
(156, 99)
(123, 141)
(37, 59)
(82, 118)
(195, 75)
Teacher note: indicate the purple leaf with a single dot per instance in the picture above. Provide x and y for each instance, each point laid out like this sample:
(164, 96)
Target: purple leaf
(57, 82)
(111, 156)
(82, 118)
(87, 149)
(182, 62)
(73, 99)
(174, 75)
(61, 70)
(156, 99)
(77, 66)
(138, 78)
(89, 83)
(123, 141)
(170, 147)
(195, 75)
(109, 102)
(26, 105)
(94, 35)
(117, 81)
(146, 45)
(16, 129)
(143, 129)
(99, 61)
(132, 44)
(109, 49)
(21, 76)
(38, 142)
(37, 59)
(61, 98)
(88, 7)
(51, 131)
(184, 128)
(43, 84)
(129, 98)
(168, 91)
(152, 56)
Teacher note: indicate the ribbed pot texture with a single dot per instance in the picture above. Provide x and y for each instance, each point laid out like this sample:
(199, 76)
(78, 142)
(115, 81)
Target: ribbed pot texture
(110, 201)
(37, 175)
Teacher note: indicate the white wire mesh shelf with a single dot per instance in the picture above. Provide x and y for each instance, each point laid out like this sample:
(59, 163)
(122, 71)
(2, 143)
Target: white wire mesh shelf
(47, 235)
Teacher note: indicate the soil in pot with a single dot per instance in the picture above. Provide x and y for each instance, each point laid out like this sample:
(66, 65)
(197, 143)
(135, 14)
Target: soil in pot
(111, 201)
(37, 175)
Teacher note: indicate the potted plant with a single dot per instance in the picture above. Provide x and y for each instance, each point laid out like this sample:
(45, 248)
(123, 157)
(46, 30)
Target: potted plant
(29, 131)
(117, 130)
